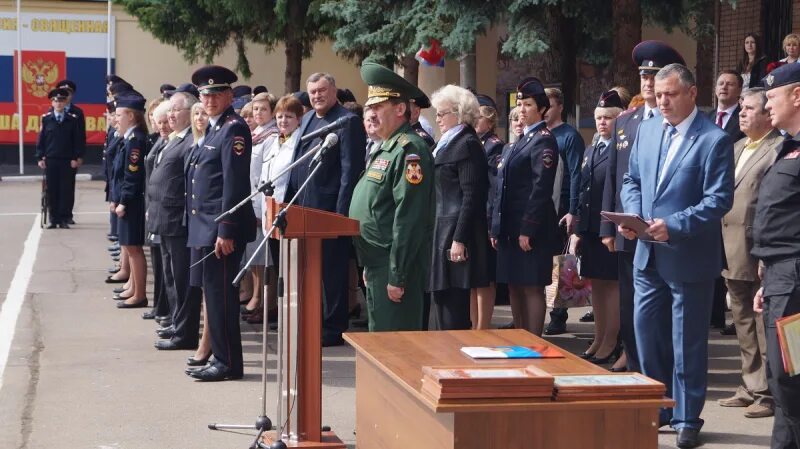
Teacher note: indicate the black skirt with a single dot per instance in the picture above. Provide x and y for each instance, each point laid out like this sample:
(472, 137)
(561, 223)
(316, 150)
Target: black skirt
(130, 227)
(597, 262)
(519, 268)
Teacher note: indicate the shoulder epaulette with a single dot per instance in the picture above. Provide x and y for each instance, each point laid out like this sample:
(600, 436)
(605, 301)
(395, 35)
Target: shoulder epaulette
(627, 111)
(403, 140)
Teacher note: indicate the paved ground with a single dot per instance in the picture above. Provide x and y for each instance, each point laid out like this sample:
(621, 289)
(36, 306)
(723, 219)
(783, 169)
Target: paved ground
(82, 374)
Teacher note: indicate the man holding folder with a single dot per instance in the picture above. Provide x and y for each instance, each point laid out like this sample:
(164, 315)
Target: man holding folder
(680, 180)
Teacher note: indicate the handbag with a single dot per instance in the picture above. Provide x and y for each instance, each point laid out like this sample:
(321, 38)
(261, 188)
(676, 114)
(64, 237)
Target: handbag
(568, 288)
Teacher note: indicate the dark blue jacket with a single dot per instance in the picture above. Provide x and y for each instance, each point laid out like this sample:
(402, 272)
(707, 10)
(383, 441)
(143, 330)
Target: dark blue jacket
(593, 175)
(625, 129)
(58, 140)
(523, 203)
(332, 186)
(128, 173)
(217, 178)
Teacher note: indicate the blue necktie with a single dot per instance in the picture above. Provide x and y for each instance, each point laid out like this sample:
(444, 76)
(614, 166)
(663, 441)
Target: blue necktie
(601, 147)
(670, 131)
(59, 117)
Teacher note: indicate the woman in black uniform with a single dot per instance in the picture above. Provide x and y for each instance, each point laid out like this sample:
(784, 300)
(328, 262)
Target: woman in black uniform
(597, 263)
(524, 226)
(130, 182)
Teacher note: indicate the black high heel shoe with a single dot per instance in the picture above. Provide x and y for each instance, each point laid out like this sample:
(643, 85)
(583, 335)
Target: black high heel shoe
(586, 355)
(191, 361)
(608, 359)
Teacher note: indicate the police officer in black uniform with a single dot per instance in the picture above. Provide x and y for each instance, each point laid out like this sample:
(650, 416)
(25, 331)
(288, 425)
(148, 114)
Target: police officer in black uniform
(57, 151)
(650, 57)
(776, 242)
(72, 108)
(417, 105)
(217, 178)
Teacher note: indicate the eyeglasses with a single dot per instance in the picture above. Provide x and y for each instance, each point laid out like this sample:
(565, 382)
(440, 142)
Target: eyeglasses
(443, 114)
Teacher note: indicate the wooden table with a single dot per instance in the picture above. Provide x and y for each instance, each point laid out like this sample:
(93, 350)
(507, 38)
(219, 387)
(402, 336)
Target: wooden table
(392, 412)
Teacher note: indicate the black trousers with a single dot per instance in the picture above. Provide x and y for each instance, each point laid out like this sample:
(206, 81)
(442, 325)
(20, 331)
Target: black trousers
(57, 173)
(222, 305)
(626, 331)
(718, 307)
(112, 221)
(335, 286)
(160, 302)
(71, 193)
(782, 298)
(452, 309)
(184, 300)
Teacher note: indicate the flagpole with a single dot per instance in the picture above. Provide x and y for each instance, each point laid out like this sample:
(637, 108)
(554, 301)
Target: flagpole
(19, 89)
(108, 39)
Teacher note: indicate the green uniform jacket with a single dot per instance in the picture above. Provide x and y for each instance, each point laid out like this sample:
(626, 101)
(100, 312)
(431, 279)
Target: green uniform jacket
(394, 203)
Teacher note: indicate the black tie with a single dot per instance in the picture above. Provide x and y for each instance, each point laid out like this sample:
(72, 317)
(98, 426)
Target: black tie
(649, 114)
(601, 146)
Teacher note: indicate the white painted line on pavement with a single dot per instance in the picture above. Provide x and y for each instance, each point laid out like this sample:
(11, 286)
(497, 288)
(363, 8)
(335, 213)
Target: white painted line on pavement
(16, 294)
(30, 178)
(19, 214)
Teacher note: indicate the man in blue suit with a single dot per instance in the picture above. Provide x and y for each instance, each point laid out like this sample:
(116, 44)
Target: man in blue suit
(330, 190)
(680, 179)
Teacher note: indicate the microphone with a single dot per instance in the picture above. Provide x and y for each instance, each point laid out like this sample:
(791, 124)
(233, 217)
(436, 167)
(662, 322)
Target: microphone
(330, 140)
(339, 123)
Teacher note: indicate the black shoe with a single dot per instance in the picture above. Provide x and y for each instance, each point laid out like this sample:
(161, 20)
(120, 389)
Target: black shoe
(119, 297)
(52, 226)
(114, 253)
(728, 330)
(135, 305)
(114, 247)
(113, 238)
(508, 326)
(63, 225)
(166, 332)
(115, 259)
(149, 315)
(196, 369)
(586, 355)
(588, 317)
(173, 344)
(688, 437)
(622, 369)
(332, 341)
(555, 329)
(111, 280)
(216, 372)
(113, 270)
(118, 290)
(191, 361)
(70, 221)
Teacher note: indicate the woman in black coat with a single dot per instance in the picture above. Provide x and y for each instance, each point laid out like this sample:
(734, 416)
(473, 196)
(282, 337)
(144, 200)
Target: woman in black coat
(460, 248)
(597, 263)
(524, 226)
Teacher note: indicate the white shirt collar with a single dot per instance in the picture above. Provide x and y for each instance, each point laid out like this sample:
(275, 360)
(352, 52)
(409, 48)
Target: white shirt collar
(212, 121)
(729, 111)
(128, 132)
(683, 127)
(647, 110)
(605, 141)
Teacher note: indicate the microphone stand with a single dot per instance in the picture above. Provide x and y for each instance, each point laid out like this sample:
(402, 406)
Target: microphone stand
(263, 423)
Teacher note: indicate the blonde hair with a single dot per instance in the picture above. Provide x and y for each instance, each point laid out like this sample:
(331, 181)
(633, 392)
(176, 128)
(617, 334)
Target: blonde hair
(792, 37)
(266, 96)
(196, 132)
(463, 102)
(247, 110)
(624, 95)
(489, 113)
(513, 115)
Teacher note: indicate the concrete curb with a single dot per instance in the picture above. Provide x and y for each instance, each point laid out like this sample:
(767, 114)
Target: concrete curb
(33, 178)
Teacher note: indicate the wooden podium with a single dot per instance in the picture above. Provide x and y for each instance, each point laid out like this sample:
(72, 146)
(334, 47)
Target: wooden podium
(392, 411)
(300, 376)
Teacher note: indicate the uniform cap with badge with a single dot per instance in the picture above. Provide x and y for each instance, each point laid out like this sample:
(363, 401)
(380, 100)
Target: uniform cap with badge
(531, 87)
(651, 56)
(782, 76)
(165, 87)
(59, 93)
(68, 84)
(384, 84)
(610, 99)
(213, 78)
(485, 100)
(130, 100)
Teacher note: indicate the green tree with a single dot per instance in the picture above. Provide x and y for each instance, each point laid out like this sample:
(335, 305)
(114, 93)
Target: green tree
(202, 29)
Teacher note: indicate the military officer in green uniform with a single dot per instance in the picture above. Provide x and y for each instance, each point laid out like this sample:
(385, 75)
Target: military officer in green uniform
(394, 202)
